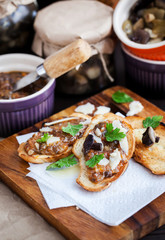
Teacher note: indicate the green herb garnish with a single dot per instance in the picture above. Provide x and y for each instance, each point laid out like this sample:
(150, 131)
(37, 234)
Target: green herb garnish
(72, 129)
(113, 134)
(63, 162)
(152, 122)
(94, 160)
(43, 138)
(121, 97)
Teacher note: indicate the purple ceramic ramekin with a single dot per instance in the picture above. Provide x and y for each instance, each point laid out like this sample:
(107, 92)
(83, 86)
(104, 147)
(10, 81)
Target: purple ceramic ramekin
(147, 74)
(17, 114)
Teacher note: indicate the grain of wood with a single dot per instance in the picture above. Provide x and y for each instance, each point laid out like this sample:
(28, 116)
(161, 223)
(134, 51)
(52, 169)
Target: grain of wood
(71, 223)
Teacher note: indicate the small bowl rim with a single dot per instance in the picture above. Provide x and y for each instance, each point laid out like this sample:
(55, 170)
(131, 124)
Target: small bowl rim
(31, 96)
(141, 59)
(120, 33)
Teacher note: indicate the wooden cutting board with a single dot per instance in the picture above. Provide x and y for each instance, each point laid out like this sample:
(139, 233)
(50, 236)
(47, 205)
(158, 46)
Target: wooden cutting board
(72, 223)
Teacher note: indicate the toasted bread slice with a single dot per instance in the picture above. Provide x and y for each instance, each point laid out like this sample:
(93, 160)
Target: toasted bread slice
(100, 176)
(152, 157)
(34, 152)
(39, 158)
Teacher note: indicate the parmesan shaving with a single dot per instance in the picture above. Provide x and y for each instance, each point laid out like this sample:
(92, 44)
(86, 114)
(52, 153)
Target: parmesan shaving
(102, 110)
(120, 114)
(98, 132)
(46, 129)
(115, 159)
(124, 144)
(135, 107)
(97, 139)
(87, 108)
(117, 124)
(104, 162)
(52, 140)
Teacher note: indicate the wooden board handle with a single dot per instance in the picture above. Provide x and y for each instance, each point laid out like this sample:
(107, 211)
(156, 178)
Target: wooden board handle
(67, 58)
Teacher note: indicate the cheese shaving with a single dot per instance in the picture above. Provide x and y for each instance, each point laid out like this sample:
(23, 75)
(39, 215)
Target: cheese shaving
(87, 108)
(102, 110)
(103, 162)
(124, 144)
(135, 107)
(115, 159)
(46, 129)
(52, 140)
(120, 114)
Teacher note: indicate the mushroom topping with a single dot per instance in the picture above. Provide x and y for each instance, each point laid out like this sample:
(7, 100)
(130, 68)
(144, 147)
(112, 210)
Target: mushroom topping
(97, 146)
(157, 139)
(149, 137)
(150, 15)
(88, 143)
(162, 123)
(140, 36)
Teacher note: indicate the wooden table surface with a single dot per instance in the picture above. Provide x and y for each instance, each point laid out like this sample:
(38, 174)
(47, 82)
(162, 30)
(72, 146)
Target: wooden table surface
(65, 101)
(14, 170)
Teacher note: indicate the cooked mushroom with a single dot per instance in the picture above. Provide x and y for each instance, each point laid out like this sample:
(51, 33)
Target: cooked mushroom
(149, 137)
(97, 146)
(88, 143)
(140, 36)
(138, 24)
(146, 22)
(159, 27)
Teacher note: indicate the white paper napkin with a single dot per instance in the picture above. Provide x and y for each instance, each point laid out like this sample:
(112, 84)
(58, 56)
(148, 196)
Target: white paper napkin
(132, 191)
(52, 199)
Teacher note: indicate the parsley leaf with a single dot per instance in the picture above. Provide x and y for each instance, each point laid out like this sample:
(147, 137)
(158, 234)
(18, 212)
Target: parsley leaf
(94, 160)
(72, 129)
(152, 122)
(43, 138)
(121, 97)
(63, 162)
(112, 135)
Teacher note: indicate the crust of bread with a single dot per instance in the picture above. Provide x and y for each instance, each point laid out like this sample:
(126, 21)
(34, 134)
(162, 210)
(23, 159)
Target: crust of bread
(83, 179)
(80, 115)
(40, 158)
(152, 157)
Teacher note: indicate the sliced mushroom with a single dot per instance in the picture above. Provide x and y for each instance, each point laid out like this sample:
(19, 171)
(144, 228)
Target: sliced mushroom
(149, 17)
(140, 36)
(88, 143)
(152, 35)
(159, 27)
(97, 146)
(127, 27)
(157, 139)
(149, 137)
(139, 24)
